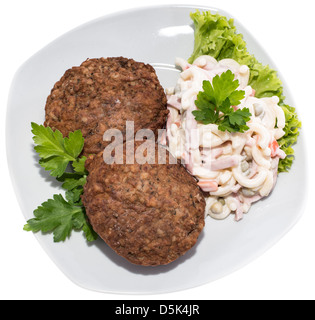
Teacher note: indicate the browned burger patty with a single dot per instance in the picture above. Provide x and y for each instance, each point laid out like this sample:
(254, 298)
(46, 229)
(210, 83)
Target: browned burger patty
(105, 93)
(150, 214)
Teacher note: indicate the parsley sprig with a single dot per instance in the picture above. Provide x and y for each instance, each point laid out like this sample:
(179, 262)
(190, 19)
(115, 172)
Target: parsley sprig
(55, 151)
(61, 215)
(215, 104)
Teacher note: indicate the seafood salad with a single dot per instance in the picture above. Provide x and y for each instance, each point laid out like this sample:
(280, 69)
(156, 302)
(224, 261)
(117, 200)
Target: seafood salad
(234, 169)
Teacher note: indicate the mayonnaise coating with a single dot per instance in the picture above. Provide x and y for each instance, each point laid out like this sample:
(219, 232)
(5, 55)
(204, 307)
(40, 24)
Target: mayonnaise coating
(235, 169)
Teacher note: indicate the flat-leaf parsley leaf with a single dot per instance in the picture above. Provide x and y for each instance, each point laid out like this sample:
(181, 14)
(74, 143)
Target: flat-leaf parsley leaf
(216, 104)
(56, 151)
(58, 215)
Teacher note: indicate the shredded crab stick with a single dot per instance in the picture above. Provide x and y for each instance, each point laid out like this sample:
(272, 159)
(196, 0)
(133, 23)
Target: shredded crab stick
(274, 146)
(224, 163)
(208, 185)
(275, 150)
(235, 169)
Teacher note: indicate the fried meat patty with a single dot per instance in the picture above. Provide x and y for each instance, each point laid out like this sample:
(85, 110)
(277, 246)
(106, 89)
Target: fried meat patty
(150, 214)
(105, 93)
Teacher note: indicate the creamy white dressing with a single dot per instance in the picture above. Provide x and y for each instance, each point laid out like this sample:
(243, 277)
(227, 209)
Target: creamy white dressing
(235, 169)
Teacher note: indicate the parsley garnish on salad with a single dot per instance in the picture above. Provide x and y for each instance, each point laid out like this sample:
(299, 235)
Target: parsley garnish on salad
(58, 215)
(215, 104)
(215, 35)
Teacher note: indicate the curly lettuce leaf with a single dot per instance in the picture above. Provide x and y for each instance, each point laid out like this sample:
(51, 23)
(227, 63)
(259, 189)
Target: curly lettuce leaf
(215, 35)
(291, 129)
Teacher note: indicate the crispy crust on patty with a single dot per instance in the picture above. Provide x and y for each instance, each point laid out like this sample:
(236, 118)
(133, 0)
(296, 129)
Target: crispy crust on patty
(150, 214)
(105, 93)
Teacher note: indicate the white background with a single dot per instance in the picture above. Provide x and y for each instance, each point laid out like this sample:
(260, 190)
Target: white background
(286, 30)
